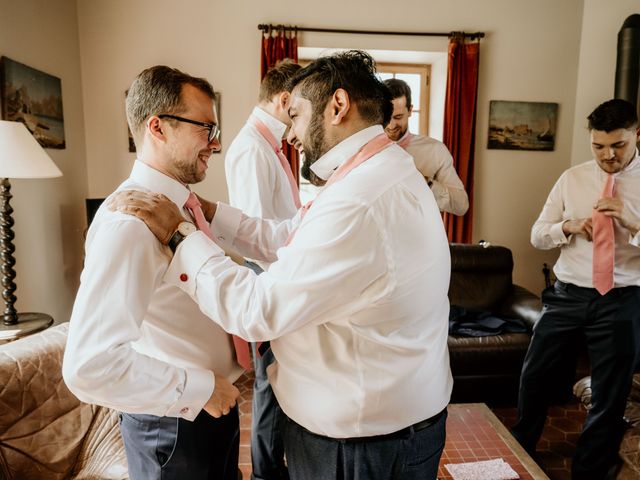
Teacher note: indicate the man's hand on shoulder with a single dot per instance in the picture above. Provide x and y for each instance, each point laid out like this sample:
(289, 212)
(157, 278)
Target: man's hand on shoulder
(580, 226)
(160, 214)
(223, 398)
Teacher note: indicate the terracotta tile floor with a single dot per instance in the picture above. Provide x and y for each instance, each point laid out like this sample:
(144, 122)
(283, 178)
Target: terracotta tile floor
(555, 448)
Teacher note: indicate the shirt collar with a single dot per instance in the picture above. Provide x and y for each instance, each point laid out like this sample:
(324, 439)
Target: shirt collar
(158, 182)
(344, 150)
(275, 126)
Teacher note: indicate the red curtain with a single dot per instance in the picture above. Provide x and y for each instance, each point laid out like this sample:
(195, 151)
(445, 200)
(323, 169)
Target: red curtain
(460, 126)
(278, 44)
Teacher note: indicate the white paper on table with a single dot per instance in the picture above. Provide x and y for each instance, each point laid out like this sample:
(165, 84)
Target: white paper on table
(496, 469)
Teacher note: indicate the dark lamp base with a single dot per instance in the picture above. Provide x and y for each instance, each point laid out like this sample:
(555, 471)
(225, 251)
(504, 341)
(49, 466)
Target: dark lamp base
(28, 323)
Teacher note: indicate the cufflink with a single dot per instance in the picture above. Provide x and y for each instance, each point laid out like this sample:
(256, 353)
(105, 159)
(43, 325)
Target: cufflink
(184, 277)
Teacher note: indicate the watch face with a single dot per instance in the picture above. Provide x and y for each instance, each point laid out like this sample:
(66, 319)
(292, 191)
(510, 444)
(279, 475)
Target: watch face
(185, 228)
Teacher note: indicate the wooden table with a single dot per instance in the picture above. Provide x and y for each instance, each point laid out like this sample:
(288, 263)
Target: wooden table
(474, 433)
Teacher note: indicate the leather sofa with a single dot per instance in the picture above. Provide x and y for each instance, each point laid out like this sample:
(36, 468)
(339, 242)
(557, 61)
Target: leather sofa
(629, 451)
(45, 431)
(487, 369)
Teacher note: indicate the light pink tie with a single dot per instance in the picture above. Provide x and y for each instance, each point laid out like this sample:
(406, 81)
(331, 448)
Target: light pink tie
(406, 141)
(268, 136)
(603, 245)
(241, 346)
(373, 147)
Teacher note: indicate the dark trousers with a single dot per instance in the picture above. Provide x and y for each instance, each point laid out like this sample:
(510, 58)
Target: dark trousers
(267, 449)
(610, 325)
(410, 455)
(170, 448)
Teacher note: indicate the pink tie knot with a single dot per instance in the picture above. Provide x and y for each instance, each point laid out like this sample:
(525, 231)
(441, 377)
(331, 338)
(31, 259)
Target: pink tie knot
(192, 202)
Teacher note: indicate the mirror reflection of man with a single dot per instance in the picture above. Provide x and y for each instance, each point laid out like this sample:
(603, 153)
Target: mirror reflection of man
(431, 156)
(362, 366)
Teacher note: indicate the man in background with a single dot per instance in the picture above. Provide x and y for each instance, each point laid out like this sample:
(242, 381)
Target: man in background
(593, 216)
(432, 158)
(136, 343)
(262, 185)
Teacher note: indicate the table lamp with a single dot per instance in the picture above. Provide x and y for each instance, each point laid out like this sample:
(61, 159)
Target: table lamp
(20, 157)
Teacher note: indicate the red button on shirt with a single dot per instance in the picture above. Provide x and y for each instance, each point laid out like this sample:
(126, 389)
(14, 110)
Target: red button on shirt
(184, 277)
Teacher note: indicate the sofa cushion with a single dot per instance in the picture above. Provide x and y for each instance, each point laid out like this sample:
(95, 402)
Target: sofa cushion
(42, 424)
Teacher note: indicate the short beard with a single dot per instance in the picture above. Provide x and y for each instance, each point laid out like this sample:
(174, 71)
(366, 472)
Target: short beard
(314, 147)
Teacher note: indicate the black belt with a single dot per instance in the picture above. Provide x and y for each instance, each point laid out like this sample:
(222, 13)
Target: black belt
(405, 432)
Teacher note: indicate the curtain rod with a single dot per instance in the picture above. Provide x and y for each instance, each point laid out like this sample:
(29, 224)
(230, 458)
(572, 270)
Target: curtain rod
(269, 27)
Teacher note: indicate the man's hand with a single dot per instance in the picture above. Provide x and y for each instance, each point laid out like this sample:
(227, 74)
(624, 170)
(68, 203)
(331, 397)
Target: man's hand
(614, 207)
(223, 398)
(208, 208)
(159, 213)
(580, 226)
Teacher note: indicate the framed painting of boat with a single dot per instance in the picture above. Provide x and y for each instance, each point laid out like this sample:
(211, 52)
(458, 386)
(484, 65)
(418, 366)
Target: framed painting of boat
(33, 98)
(522, 125)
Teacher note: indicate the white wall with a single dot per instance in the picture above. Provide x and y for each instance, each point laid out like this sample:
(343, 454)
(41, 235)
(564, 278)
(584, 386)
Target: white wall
(49, 213)
(597, 70)
(520, 60)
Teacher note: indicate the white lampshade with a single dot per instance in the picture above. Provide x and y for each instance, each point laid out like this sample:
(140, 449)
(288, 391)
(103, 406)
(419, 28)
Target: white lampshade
(21, 156)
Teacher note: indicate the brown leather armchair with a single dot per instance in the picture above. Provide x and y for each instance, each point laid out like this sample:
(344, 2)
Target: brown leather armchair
(487, 369)
(45, 431)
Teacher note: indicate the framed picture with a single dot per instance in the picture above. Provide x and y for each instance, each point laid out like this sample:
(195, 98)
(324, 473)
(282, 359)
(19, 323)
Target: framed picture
(218, 113)
(522, 125)
(33, 98)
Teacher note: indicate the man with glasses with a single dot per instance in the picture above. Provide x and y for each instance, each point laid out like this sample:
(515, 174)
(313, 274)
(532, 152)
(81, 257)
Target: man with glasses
(262, 185)
(136, 343)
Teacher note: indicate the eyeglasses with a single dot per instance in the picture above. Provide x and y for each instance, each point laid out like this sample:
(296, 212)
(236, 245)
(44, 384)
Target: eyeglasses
(214, 130)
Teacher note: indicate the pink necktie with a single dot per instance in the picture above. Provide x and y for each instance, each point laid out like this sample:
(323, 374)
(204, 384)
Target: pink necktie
(603, 245)
(268, 136)
(404, 142)
(373, 147)
(241, 346)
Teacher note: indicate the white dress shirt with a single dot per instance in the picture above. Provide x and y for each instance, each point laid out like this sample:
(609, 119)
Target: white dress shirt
(573, 197)
(435, 162)
(356, 305)
(257, 183)
(136, 343)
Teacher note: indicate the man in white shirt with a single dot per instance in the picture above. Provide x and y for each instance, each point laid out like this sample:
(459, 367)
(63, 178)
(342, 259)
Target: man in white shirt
(261, 184)
(601, 305)
(136, 343)
(432, 158)
(355, 302)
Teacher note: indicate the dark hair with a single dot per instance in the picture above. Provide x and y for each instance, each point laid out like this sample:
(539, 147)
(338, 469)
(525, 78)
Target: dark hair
(277, 79)
(399, 88)
(158, 90)
(355, 72)
(613, 114)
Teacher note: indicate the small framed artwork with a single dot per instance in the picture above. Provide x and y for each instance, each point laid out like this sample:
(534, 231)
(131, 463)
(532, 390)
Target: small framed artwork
(218, 114)
(132, 144)
(522, 125)
(33, 98)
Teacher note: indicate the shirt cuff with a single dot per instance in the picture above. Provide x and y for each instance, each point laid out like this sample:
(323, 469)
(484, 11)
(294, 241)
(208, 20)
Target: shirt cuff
(557, 235)
(192, 253)
(198, 388)
(225, 224)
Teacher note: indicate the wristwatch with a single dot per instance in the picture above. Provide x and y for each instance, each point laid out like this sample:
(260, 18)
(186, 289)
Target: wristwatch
(184, 229)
